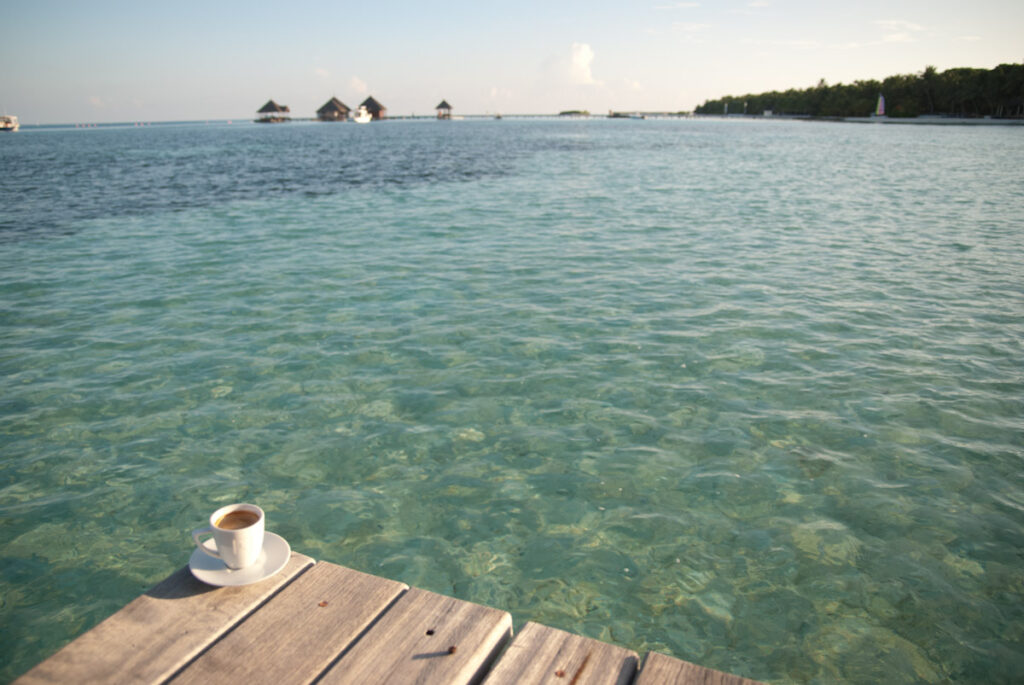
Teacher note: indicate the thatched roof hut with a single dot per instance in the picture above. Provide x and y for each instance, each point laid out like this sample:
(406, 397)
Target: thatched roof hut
(444, 110)
(333, 110)
(272, 113)
(376, 110)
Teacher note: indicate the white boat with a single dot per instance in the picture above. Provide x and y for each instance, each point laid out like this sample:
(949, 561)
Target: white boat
(9, 123)
(362, 116)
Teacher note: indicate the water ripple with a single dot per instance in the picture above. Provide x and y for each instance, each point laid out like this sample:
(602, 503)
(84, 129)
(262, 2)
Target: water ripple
(751, 395)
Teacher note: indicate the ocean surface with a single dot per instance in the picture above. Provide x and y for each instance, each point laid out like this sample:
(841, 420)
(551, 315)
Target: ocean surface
(748, 393)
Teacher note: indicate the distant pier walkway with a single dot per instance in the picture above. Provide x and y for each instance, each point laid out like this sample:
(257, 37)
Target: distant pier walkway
(324, 623)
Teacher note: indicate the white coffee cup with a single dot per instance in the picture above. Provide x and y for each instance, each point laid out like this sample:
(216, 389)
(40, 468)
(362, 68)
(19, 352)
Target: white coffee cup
(237, 531)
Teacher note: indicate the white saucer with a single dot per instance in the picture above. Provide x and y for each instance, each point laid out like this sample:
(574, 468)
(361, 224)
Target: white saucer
(212, 571)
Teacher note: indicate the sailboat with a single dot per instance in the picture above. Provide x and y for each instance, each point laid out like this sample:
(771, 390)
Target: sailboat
(880, 107)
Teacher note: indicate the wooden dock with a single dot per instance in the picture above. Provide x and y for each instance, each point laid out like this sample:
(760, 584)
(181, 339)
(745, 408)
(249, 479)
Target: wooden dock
(324, 623)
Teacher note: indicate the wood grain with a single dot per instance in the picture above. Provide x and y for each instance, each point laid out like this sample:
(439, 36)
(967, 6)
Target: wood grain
(540, 654)
(160, 631)
(426, 638)
(296, 636)
(332, 624)
(659, 669)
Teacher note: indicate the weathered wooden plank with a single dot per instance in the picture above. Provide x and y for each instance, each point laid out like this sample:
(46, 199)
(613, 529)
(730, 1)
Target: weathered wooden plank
(297, 635)
(659, 669)
(540, 654)
(425, 638)
(158, 632)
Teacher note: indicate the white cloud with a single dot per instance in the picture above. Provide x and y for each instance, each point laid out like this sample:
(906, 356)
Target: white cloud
(500, 93)
(678, 6)
(322, 73)
(751, 8)
(689, 27)
(899, 37)
(899, 30)
(796, 44)
(799, 44)
(569, 73)
(96, 101)
(689, 32)
(899, 25)
(358, 85)
(580, 65)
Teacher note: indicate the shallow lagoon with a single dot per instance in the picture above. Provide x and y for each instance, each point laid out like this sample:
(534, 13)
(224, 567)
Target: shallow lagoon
(749, 393)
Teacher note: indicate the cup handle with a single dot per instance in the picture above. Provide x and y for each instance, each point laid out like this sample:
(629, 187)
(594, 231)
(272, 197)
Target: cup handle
(199, 543)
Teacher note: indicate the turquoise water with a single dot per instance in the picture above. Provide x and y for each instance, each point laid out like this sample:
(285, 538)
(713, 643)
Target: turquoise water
(748, 393)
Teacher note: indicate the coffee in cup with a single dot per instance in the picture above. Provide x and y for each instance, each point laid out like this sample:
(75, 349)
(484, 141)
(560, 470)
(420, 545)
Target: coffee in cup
(237, 531)
(237, 519)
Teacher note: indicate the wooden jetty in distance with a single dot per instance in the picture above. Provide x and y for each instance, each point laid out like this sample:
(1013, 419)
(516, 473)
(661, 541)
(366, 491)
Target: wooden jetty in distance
(324, 623)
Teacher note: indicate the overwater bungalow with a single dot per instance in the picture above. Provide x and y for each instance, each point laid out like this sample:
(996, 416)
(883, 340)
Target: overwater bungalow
(444, 110)
(333, 110)
(376, 110)
(272, 113)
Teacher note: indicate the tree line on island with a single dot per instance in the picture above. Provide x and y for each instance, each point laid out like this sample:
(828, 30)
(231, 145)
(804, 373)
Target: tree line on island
(962, 92)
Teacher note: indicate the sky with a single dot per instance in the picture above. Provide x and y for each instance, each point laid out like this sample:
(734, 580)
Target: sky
(106, 61)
